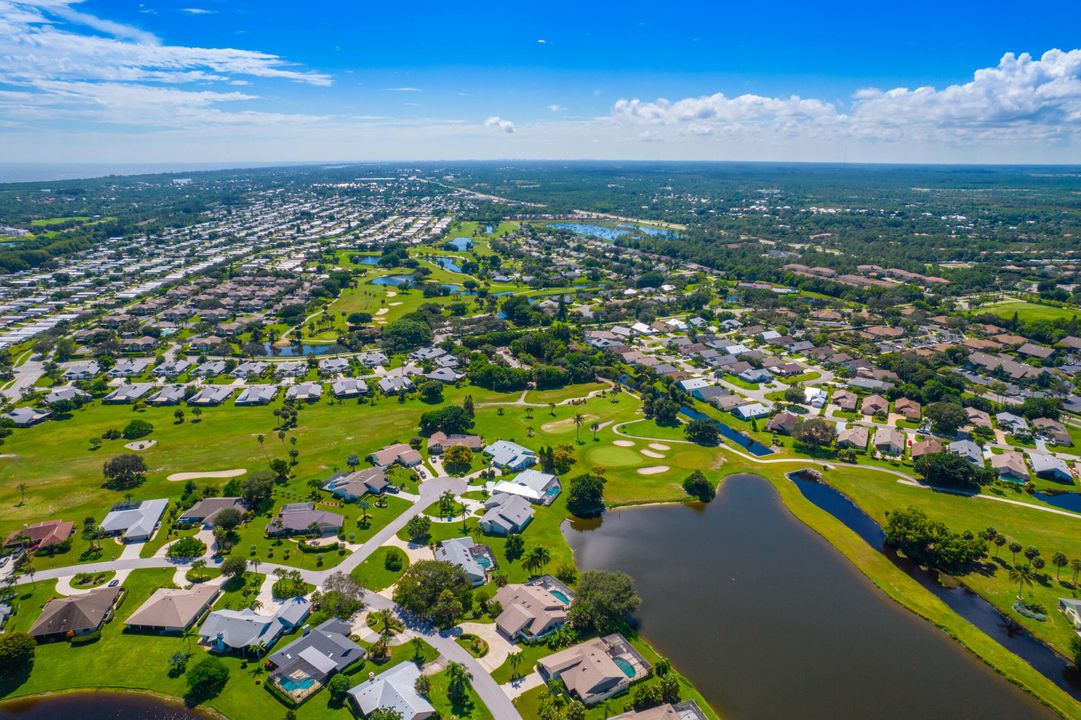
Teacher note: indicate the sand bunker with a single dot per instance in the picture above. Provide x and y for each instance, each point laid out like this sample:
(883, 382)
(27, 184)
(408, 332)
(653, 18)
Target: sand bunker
(650, 453)
(181, 477)
(391, 293)
(382, 311)
(395, 304)
(141, 445)
(623, 443)
(567, 424)
(659, 446)
(652, 470)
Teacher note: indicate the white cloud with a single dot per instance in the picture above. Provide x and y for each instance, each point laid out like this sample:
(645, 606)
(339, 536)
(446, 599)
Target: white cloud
(554, 107)
(84, 66)
(497, 123)
(198, 11)
(542, 41)
(405, 89)
(1022, 98)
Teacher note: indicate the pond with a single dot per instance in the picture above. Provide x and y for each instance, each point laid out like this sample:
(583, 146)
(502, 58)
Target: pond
(753, 446)
(1063, 500)
(770, 622)
(368, 260)
(461, 244)
(448, 263)
(395, 280)
(98, 706)
(610, 232)
(961, 600)
(296, 351)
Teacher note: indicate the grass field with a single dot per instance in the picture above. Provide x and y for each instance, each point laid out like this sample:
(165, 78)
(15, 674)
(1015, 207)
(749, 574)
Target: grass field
(1029, 312)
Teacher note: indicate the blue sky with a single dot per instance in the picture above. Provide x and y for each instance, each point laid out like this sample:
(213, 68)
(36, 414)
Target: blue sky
(208, 80)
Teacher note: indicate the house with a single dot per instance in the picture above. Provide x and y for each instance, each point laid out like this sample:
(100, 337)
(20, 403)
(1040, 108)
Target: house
(846, 400)
(128, 368)
(686, 710)
(210, 368)
(476, 559)
(930, 446)
(75, 615)
(71, 395)
(445, 375)
(168, 395)
(814, 396)
(348, 387)
(172, 611)
(590, 671)
(874, 404)
(691, 384)
(206, 510)
(372, 359)
(127, 394)
(535, 486)
(1054, 431)
(977, 418)
(304, 519)
(26, 416)
(755, 375)
(40, 535)
(1050, 467)
(784, 423)
(239, 630)
(172, 368)
(394, 689)
(510, 455)
(81, 371)
(350, 486)
(257, 395)
(532, 610)
(1014, 424)
(1010, 466)
(134, 522)
(907, 408)
(333, 366)
(291, 368)
(505, 514)
(211, 395)
(315, 656)
(395, 385)
(399, 453)
(710, 393)
(889, 441)
(440, 441)
(968, 450)
(853, 436)
(1071, 608)
(249, 369)
(751, 411)
(304, 391)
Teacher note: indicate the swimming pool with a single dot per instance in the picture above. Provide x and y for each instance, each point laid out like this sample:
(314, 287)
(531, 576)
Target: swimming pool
(291, 685)
(560, 596)
(625, 666)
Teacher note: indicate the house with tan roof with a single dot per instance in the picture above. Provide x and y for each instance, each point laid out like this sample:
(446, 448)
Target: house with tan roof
(76, 615)
(169, 610)
(1010, 466)
(873, 404)
(532, 610)
(596, 669)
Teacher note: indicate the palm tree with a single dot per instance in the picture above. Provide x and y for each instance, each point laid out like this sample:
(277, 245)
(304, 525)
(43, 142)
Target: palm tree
(261, 438)
(22, 493)
(1075, 565)
(552, 409)
(595, 427)
(515, 660)
(1059, 560)
(458, 679)
(578, 420)
(386, 619)
(1000, 540)
(352, 461)
(1015, 547)
(1022, 576)
(364, 506)
(536, 558)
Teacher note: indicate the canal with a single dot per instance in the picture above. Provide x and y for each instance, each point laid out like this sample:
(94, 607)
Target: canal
(770, 622)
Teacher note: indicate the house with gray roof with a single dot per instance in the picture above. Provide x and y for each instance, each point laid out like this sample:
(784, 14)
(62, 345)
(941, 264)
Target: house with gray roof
(206, 510)
(238, 630)
(315, 656)
(535, 486)
(304, 519)
(476, 559)
(81, 370)
(349, 387)
(395, 385)
(334, 366)
(350, 486)
(129, 368)
(127, 394)
(67, 394)
(510, 455)
(304, 391)
(1050, 467)
(134, 522)
(210, 368)
(211, 395)
(394, 689)
(1071, 608)
(969, 450)
(168, 395)
(505, 514)
(399, 453)
(257, 395)
(26, 416)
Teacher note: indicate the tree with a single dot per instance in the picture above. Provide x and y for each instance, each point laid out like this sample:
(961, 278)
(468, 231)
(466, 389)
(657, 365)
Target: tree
(603, 601)
(16, 653)
(137, 428)
(424, 581)
(234, 566)
(586, 495)
(418, 528)
(1075, 565)
(384, 714)
(536, 558)
(404, 335)
(514, 548)
(458, 681)
(352, 461)
(578, 421)
(341, 595)
(450, 419)
(945, 416)
(1022, 576)
(22, 493)
(432, 392)
(124, 472)
(447, 608)
(697, 486)
(228, 519)
(1015, 547)
(815, 433)
(945, 469)
(702, 431)
(257, 489)
(458, 457)
(1059, 560)
(186, 547)
(338, 687)
(207, 678)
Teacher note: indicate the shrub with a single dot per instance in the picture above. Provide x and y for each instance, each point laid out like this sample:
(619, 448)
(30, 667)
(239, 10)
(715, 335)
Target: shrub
(137, 428)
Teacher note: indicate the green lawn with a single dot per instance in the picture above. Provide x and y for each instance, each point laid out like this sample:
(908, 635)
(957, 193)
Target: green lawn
(373, 574)
(1028, 312)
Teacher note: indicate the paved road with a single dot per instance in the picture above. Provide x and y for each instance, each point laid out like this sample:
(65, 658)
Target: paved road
(25, 376)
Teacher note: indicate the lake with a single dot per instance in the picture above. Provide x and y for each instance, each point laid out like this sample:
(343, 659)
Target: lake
(395, 280)
(448, 263)
(461, 244)
(98, 706)
(771, 622)
(610, 232)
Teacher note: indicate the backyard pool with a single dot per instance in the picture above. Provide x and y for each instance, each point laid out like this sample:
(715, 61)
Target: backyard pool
(625, 666)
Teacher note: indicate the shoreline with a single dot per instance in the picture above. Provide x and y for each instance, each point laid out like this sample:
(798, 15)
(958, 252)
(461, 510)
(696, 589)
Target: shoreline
(208, 712)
